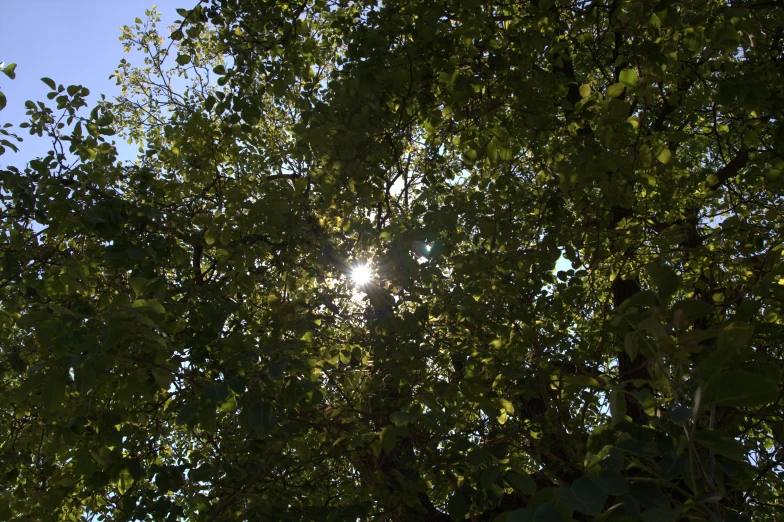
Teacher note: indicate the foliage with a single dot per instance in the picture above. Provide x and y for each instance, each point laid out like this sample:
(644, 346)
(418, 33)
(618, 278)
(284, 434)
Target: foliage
(10, 71)
(181, 340)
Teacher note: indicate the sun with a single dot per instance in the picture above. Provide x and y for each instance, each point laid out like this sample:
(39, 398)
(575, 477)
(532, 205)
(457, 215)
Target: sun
(361, 274)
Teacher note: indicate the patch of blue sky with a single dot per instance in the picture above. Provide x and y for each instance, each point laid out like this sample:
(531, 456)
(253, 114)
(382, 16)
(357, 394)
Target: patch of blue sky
(73, 43)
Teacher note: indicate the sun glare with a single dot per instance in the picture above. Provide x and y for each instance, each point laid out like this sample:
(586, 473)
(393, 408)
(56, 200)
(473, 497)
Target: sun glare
(361, 274)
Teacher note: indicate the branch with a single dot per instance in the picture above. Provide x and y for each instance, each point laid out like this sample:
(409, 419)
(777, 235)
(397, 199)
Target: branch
(281, 176)
(731, 169)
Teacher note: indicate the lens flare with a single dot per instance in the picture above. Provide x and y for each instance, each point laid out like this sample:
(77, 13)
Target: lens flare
(361, 274)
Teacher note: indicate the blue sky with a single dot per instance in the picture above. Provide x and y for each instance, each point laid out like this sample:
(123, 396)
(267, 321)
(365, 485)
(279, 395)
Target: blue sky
(70, 41)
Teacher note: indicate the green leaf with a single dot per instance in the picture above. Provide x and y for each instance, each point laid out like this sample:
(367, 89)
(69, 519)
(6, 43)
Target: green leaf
(62, 311)
(611, 482)
(664, 278)
(750, 138)
(84, 378)
(135, 468)
(644, 298)
(188, 412)
(251, 115)
(317, 397)
(216, 391)
(735, 336)
(615, 90)
(49, 83)
(547, 513)
(3, 101)
(262, 418)
(693, 309)
(519, 515)
(682, 414)
(741, 389)
(489, 476)
(211, 235)
(670, 467)
(457, 507)
(631, 345)
(617, 406)
(401, 418)
(505, 404)
(585, 90)
(97, 457)
(71, 360)
(388, 438)
(522, 483)
(138, 284)
(9, 70)
(664, 155)
(53, 391)
(628, 77)
(275, 369)
(492, 152)
(163, 378)
(584, 495)
(649, 495)
(771, 372)
(721, 443)
(585, 381)
(150, 304)
(300, 184)
(183, 59)
(712, 365)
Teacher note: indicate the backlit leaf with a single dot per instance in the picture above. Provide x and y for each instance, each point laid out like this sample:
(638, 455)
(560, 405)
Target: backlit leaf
(629, 77)
(615, 90)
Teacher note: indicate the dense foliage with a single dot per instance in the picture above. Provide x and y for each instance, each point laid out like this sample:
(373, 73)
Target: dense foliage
(571, 211)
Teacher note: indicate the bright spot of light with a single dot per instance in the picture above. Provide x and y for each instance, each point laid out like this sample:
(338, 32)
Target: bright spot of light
(361, 274)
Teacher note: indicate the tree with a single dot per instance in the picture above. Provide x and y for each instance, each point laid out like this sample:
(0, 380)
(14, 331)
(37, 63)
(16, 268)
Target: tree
(182, 337)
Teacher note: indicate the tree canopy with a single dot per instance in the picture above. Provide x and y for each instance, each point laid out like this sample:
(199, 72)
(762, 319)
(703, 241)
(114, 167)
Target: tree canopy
(569, 212)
